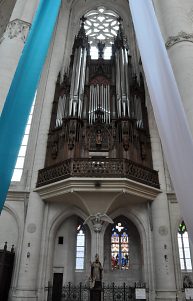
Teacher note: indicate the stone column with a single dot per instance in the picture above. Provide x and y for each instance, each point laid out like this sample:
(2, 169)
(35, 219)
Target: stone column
(31, 280)
(165, 284)
(26, 286)
(96, 223)
(12, 43)
(175, 18)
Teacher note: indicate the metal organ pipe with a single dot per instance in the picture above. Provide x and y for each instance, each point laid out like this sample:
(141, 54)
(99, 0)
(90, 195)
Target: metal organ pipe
(109, 109)
(72, 82)
(82, 82)
(77, 76)
(122, 71)
(60, 110)
(102, 99)
(122, 55)
(90, 105)
(93, 100)
(127, 80)
(98, 97)
(106, 101)
(101, 96)
(118, 90)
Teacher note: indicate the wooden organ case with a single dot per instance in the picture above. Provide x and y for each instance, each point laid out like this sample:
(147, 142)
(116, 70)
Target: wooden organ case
(99, 117)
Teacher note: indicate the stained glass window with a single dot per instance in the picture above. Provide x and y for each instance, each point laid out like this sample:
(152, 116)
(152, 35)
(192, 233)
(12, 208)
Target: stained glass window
(119, 247)
(184, 248)
(80, 248)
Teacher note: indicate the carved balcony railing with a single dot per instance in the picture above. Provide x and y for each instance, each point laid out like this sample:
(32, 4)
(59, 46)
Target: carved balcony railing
(101, 168)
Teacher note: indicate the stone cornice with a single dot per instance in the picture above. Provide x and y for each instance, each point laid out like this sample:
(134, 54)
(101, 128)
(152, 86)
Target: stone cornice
(19, 196)
(16, 29)
(180, 37)
(172, 197)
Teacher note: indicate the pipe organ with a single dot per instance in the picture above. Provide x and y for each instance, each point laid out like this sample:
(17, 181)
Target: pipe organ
(99, 107)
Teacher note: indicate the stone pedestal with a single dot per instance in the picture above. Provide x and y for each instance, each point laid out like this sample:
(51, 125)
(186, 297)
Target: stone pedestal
(95, 292)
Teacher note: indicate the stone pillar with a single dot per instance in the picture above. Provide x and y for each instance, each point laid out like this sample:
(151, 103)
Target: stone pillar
(175, 18)
(97, 245)
(27, 280)
(165, 284)
(12, 43)
(31, 283)
(96, 223)
(70, 249)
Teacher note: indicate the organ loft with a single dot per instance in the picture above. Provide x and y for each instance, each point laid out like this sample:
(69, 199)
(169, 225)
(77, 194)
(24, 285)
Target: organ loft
(99, 118)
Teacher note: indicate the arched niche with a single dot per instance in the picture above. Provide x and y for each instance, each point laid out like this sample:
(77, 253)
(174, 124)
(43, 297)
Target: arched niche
(66, 248)
(133, 272)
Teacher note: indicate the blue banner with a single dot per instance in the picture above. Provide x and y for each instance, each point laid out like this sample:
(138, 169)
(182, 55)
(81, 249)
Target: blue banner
(20, 97)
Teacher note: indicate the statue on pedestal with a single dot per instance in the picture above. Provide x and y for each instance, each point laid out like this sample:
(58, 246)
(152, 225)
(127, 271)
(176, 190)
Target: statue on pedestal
(96, 280)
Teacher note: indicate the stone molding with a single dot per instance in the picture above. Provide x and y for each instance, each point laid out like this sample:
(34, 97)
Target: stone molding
(180, 37)
(16, 29)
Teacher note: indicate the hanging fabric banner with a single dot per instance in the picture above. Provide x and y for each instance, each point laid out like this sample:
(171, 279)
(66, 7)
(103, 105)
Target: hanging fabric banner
(20, 97)
(168, 109)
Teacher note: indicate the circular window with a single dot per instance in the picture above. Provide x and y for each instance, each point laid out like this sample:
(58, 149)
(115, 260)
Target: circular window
(101, 25)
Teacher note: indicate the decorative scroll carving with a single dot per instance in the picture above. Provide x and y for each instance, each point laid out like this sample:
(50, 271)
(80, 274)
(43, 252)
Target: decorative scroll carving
(16, 29)
(110, 168)
(180, 37)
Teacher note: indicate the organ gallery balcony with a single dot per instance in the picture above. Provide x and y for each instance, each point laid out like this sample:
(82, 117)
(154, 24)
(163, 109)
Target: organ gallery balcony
(98, 168)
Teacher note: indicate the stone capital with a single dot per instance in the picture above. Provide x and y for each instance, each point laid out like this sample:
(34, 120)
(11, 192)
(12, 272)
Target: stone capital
(16, 29)
(180, 37)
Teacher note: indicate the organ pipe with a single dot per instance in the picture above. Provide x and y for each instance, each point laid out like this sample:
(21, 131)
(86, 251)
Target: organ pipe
(118, 91)
(127, 79)
(72, 82)
(109, 109)
(82, 82)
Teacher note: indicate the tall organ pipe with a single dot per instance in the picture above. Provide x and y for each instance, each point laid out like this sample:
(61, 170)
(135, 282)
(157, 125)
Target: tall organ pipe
(122, 63)
(106, 101)
(102, 99)
(109, 109)
(118, 90)
(82, 82)
(73, 81)
(127, 80)
(90, 105)
(77, 76)
(93, 96)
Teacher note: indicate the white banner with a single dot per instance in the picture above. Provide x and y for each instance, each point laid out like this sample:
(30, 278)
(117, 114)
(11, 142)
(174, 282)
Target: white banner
(169, 112)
